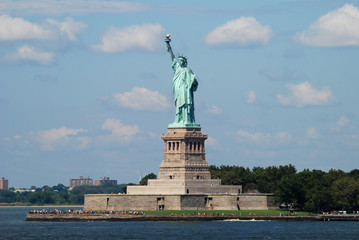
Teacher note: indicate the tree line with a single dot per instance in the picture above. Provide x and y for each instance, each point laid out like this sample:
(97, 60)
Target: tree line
(313, 190)
(58, 194)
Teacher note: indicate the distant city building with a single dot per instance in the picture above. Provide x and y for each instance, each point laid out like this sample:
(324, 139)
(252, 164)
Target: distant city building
(105, 180)
(4, 184)
(80, 181)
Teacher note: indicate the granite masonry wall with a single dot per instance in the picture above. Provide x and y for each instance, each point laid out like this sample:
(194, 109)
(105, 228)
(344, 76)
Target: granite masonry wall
(123, 202)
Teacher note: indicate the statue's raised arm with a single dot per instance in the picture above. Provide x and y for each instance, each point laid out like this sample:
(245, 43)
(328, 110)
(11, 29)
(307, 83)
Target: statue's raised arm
(169, 49)
(184, 84)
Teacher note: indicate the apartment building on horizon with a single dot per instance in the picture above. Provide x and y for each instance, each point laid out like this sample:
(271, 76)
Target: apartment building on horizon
(105, 180)
(80, 181)
(4, 184)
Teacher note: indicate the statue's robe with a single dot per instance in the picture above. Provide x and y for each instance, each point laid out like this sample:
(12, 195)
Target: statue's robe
(184, 84)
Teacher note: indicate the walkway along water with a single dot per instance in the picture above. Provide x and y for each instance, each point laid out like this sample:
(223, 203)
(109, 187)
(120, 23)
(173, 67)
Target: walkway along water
(141, 216)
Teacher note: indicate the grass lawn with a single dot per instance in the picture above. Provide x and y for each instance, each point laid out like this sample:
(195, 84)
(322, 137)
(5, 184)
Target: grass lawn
(271, 212)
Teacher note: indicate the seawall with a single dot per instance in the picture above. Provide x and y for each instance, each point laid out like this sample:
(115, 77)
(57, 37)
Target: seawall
(120, 217)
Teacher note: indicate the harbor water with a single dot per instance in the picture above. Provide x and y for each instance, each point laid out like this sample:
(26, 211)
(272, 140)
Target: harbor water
(14, 226)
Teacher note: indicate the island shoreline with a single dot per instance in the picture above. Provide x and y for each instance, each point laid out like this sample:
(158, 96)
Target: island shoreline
(150, 217)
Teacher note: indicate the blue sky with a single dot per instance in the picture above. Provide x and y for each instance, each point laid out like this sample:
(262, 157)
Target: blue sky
(85, 86)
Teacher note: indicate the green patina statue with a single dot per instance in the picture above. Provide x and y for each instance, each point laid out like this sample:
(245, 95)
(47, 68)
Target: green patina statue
(184, 84)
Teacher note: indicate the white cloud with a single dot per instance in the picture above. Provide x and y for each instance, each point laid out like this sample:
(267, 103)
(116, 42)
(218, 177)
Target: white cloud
(256, 137)
(282, 75)
(245, 31)
(142, 99)
(51, 34)
(19, 29)
(251, 97)
(119, 131)
(27, 53)
(152, 135)
(66, 29)
(341, 123)
(259, 137)
(211, 142)
(336, 28)
(54, 138)
(83, 142)
(145, 37)
(304, 94)
(47, 7)
(312, 133)
(282, 137)
(16, 137)
(214, 110)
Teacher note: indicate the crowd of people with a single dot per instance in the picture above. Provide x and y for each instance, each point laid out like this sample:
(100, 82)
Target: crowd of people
(339, 212)
(79, 211)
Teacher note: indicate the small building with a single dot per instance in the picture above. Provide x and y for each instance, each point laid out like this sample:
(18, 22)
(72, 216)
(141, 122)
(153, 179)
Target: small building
(80, 181)
(105, 180)
(4, 184)
(24, 190)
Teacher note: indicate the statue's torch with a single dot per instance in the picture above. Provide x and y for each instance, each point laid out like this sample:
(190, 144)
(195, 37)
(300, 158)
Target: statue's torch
(168, 38)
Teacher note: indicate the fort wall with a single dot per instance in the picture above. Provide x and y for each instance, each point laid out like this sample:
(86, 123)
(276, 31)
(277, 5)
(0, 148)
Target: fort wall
(125, 202)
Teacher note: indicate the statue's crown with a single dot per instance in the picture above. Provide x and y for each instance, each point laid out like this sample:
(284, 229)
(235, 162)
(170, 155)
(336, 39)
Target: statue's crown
(181, 56)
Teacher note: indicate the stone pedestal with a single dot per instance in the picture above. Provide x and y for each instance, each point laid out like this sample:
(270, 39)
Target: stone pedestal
(184, 169)
(184, 155)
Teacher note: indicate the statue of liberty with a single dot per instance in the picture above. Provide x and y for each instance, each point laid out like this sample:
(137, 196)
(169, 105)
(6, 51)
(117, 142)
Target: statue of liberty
(184, 84)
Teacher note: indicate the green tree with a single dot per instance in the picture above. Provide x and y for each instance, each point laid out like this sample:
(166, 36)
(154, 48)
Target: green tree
(62, 198)
(290, 191)
(268, 178)
(41, 198)
(60, 188)
(77, 194)
(148, 176)
(262, 179)
(354, 174)
(46, 189)
(334, 174)
(231, 175)
(345, 192)
(6, 196)
(250, 187)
